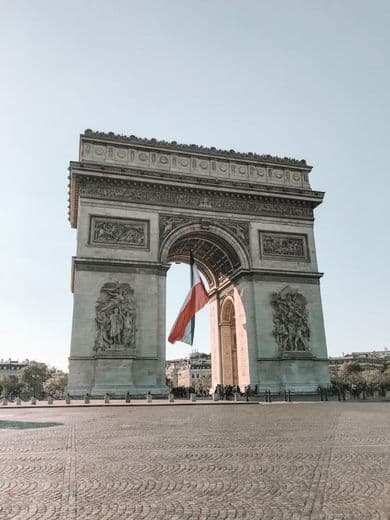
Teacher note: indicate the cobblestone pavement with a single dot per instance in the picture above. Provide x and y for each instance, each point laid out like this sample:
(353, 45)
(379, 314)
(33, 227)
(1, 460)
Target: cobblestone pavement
(296, 461)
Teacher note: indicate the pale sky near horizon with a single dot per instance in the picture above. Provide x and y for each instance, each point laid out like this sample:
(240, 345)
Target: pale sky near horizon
(291, 78)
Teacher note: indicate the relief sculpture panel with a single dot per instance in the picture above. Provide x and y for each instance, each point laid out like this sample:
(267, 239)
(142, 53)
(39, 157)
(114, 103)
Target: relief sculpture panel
(119, 232)
(291, 329)
(115, 318)
(283, 246)
(192, 164)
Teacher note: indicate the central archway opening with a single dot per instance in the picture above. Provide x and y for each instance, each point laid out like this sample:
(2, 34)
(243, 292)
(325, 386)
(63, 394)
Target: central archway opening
(187, 367)
(178, 285)
(219, 260)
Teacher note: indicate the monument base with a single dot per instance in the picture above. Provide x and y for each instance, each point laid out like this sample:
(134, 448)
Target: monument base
(294, 373)
(118, 391)
(295, 388)
(115, 376)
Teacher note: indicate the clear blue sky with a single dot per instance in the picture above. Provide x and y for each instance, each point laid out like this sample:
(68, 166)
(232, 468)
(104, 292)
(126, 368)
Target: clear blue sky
(307, 79)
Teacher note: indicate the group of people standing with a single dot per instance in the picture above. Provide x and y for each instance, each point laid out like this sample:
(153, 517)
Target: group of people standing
(227, 391)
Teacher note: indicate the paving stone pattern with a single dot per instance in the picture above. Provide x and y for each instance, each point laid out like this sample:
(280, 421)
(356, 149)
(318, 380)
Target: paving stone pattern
(296, 461)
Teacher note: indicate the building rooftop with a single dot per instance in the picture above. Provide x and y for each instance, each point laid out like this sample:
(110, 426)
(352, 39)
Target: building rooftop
(194, 148)
(366, 354)
(13, 362)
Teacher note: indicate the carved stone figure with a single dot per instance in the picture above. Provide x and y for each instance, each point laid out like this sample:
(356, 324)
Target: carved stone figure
(170, 222)
(240, 230)
(115, 317)
(128, 334)
(116, 326)
(291, 329)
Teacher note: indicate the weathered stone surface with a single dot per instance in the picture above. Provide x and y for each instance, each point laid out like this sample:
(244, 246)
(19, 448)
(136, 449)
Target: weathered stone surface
(141, 204)
(192, 160)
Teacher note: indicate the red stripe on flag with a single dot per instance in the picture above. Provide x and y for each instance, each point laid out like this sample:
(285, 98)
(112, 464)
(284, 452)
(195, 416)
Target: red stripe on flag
(196, 299)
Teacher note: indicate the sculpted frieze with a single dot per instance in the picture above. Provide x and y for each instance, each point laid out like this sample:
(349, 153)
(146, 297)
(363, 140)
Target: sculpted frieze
(173, 145)
(283, 246)
(118, 232)
(175, 196)
(107, 153)
(115, 319)
(291, 329)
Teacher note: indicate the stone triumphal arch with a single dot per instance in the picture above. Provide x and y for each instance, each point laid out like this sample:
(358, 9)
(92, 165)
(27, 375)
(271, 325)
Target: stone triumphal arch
(141, 204)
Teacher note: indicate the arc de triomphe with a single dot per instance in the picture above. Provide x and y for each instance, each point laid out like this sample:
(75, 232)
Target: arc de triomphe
(140, 204)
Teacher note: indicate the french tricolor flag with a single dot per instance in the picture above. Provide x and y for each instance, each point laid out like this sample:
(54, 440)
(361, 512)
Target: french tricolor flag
(183, 328)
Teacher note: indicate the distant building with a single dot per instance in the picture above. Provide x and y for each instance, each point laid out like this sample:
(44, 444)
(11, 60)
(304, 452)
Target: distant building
(194, 371)
(370, 360)
(8, 368)
(172, 369)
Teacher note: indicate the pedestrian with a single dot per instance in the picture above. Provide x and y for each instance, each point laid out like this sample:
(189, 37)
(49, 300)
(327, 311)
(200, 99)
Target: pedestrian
(247, 392)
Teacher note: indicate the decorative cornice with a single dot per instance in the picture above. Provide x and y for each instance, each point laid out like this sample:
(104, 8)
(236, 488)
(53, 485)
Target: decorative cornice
(193, 148)
(102, 264)
(165, 195)
(276, 275)
(116, 266)
(125, 171)
(266, 275)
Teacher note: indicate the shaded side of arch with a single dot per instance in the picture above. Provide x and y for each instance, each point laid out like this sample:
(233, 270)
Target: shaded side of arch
(218, 254)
